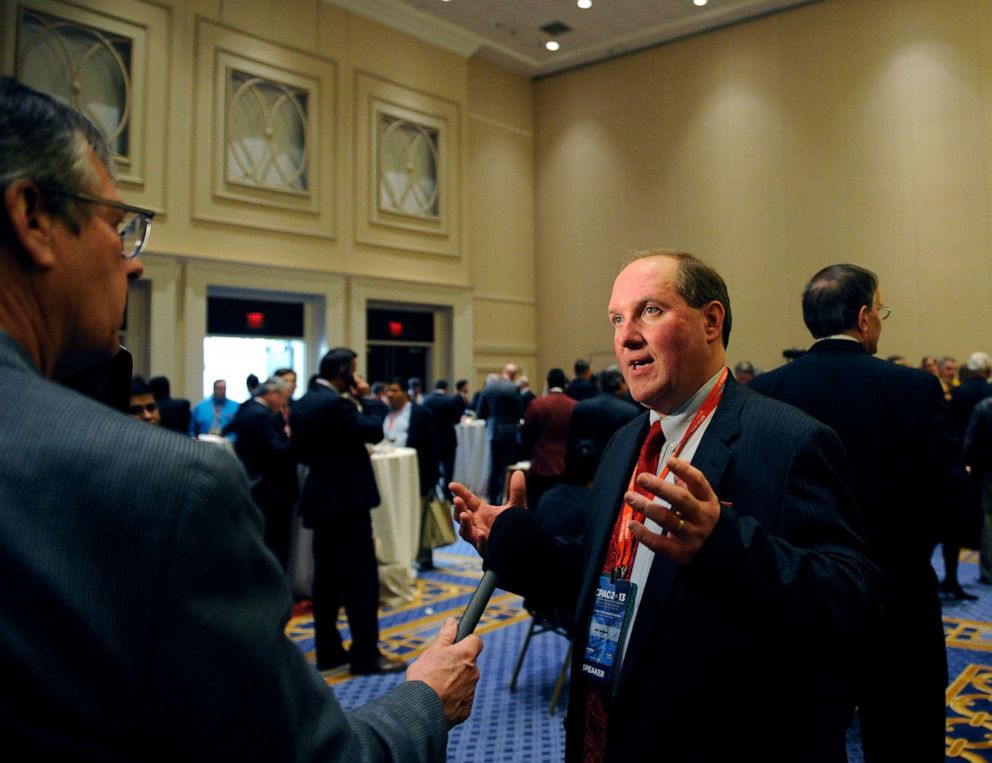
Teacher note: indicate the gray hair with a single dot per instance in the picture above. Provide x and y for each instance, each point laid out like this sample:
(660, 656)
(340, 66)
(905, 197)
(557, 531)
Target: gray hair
(272, 384)
(979, 362)
(47, 142)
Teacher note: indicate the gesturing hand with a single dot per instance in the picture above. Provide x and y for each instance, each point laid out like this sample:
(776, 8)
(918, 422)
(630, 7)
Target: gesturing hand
(475, 517)
(693, 515)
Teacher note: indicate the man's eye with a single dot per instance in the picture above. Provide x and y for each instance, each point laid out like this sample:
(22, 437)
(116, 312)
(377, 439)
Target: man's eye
(652, 310)
(616, 320)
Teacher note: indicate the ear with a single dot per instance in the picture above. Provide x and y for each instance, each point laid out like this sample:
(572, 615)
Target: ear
(713, 314)
(31, 225)
(863, 318)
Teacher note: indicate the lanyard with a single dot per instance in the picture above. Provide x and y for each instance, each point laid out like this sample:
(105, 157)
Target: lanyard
(624, 546)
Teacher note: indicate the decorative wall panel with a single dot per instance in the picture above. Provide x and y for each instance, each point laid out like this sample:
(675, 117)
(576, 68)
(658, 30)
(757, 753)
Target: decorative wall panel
(110, 65)
(264, 135)
(407, 158)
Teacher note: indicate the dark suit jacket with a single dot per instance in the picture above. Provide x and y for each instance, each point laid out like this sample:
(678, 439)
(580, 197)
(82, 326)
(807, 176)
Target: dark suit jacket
(329, 435)
(594, 420)
(502, 408)
(447, 411)
(721, 662)
(422, 437)
(581, 389)
(175, 414)
(964, 398)
(143, 616)
(894, 425)
(266, 452)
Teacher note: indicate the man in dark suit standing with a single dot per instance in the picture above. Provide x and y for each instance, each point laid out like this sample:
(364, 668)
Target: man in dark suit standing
(142, 615)
(582, 386)
(906, 468)
(330, 433)
(174, 411)
(266, 452)
(502, 408)
(409, 425)
(447, 411)
(740, 565)
(595, 419)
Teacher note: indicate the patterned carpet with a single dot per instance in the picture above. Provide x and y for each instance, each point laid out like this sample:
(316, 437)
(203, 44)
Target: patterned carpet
(504, 723)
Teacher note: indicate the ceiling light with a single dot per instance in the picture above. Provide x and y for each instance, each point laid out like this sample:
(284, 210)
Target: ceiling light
(584, 4)
(552, 45)
(699, 3)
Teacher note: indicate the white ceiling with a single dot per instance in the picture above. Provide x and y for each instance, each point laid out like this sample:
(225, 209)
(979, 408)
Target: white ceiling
(508, 32)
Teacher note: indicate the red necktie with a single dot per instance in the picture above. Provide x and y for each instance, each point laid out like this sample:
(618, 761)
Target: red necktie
(597, 712)
(647, 461)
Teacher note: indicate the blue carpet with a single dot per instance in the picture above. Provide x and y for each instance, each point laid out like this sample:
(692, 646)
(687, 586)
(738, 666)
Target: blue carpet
(503, 724)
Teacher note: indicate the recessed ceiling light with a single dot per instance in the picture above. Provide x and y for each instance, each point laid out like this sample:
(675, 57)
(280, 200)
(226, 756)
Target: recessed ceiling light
(584, 4)
(699, 3)
(552, 45)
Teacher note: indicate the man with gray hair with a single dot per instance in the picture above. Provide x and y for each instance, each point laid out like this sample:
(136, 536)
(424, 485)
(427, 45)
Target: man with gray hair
(265, 450)
(142, 616)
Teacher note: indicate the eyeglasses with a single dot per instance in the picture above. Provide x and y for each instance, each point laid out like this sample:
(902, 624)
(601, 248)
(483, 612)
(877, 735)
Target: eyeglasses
(884, 311)
(133, 229)
(136, 410)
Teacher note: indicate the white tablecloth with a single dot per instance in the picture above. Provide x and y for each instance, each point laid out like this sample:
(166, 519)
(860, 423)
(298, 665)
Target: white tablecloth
(395, 525)
(472, 457)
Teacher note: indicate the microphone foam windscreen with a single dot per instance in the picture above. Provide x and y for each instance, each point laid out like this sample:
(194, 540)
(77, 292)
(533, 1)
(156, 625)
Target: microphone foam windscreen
(514, 543)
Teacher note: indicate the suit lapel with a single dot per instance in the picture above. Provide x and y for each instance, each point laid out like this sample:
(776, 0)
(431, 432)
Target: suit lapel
(711, 458)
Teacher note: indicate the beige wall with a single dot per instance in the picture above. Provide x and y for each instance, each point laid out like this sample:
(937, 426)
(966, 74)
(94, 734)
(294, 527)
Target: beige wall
(327, 249)
(839, 131)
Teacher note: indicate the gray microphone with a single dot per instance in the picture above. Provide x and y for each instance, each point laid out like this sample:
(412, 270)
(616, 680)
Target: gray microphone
(512, 541)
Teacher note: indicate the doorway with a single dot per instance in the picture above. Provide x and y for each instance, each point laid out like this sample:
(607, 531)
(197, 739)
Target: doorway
(251, 335)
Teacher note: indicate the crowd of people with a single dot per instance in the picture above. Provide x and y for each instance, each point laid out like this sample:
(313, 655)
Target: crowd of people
(747, 565)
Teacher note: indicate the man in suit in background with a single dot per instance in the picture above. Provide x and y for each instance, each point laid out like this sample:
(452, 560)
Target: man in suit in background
(143, 616)
(265, 450)
(174, 411)
(502, 408)
(582, 386)
(330, 433)
(906, 469)
(542, 440)
(595, 419)
(447, 411)
(745, 570)
(409, 425)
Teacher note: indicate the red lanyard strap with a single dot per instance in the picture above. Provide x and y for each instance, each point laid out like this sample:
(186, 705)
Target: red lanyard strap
(622, 541)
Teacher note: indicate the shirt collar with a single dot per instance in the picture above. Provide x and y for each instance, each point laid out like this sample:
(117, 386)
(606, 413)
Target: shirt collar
(845, 337)
(675, 423)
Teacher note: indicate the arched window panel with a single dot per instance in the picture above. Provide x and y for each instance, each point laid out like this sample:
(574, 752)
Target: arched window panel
(264, 133)
(406, 154)
(95, 63)
(408, 167)
(267, 133)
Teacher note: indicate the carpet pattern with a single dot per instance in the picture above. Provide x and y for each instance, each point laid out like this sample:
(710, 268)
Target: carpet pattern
(503, 724)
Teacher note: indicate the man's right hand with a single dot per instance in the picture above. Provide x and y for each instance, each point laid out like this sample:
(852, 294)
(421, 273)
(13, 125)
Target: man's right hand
(475, 517)
(450, 670)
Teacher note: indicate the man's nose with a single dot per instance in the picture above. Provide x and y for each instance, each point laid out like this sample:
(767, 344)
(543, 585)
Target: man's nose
(134, 268)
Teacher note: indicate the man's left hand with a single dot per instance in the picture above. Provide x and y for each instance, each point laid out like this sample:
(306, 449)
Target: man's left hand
(694, 512)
